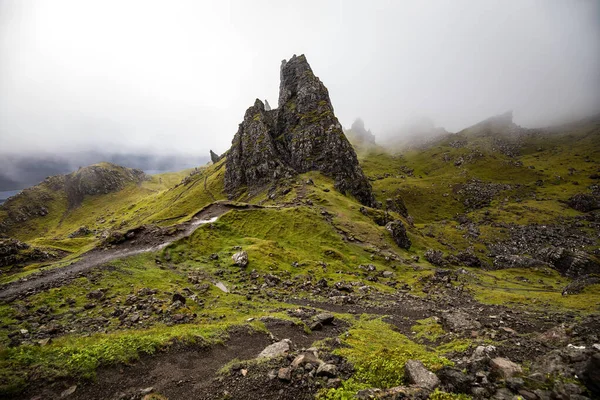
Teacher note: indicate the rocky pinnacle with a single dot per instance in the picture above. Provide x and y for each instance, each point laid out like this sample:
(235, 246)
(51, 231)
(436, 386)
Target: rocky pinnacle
(301, 135)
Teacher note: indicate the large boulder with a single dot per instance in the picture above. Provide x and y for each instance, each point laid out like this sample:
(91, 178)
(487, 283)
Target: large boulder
(584, 202)
(240, 259)
(301, 135)
(418, 375)
(398, 232)
(570, 263)
(276, 349)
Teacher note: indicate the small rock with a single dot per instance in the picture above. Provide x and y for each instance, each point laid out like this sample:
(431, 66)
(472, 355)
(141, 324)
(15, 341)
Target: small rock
(146, 390)
(504, 368)
(276, 349)
(240, 259)
(44, 342)
(68, 392)
(328, 370)
(178, 297)
(95, 294)
(305, 358)
(417, 374)
(285, 374)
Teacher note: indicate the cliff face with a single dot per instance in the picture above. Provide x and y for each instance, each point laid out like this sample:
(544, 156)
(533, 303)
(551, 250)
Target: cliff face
(302, 134)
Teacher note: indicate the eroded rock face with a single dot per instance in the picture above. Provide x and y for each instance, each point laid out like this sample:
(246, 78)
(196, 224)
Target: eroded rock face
(301, 135)
(214, 157)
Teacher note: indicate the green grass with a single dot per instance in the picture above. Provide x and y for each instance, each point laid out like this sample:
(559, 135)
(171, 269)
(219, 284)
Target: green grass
(378, 354)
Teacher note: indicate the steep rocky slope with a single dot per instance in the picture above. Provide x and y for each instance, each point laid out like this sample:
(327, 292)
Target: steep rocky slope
(301, 135)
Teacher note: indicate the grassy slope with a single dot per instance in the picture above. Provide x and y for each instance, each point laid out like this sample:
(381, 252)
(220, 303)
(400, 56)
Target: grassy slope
(310, 235)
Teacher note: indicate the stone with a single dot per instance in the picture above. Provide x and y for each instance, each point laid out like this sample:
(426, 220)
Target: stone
(146, 391)
(276, 349)
(398, 232)
(328, 370)
(68, 391)
(454, 380)
(240, 259)
(417, 374)
(305, 358)
(320, 320)
(504, 368)
(44, 342)
(591, 374)
(95, 294)
(285, 374)
(571, 263)
(178, 297)
(584, 202)
(459, 321)
(527, 395)
(301, 135)
(214, 157)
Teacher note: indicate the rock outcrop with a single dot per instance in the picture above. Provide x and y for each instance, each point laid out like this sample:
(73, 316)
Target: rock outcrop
(214, 157)
(301, 135)
(359, 134)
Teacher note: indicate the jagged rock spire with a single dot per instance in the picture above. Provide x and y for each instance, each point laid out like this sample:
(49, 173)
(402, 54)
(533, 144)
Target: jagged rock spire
(301, 135)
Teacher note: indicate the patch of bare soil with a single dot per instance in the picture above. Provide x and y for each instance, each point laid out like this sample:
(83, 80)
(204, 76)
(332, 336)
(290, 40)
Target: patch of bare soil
(191, 372)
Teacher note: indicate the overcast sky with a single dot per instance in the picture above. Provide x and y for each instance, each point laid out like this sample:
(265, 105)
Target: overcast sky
(178, 75)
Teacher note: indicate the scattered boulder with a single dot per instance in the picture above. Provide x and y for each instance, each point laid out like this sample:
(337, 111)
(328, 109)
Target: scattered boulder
(580, 283)
(276, 349)
(570, 263)
(454, 380)
(240, 259)
(504, 368)
(517, 261)
(320, 320)
(435, 257)
(591, 374)
(584, 202)
(417, 374)
(459, 321)
(396, 204)
(398, 232)
(285, 374)
(82, 231)
(328, 370)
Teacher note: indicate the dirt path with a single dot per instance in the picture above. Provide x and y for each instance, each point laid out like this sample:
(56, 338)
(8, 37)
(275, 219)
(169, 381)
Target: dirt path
(191, 372)
(136, 241)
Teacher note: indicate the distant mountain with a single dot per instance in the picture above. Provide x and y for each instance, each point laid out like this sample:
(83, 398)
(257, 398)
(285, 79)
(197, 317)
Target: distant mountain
(18, 171)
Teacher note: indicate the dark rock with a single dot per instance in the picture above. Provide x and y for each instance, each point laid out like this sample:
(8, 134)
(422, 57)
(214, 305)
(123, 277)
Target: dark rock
(82, 231)
(435, 257)
(396, 204)
(584, 202)
(570, 263)
(95, 294)
(454, 380)
(302, 135)
(458, 321)
(178, 297)
(580, 283)
(591, 374)
(214, 157)
(469, 259)
(517, 261)
(398, 232)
